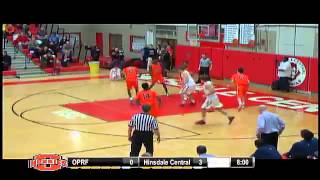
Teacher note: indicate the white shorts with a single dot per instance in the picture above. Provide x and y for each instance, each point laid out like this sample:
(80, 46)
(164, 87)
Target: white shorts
(212, 101)
(188, 89)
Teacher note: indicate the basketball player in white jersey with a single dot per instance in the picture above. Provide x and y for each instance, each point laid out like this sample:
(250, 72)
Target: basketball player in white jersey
(188, 86)
(115, 73)
(212, 101)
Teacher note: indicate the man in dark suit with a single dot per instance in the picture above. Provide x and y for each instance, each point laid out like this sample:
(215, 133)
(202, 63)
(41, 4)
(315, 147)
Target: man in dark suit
(6, 61)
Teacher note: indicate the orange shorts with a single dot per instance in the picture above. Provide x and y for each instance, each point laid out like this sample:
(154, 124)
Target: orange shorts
(156, 79)
(132, 84)
(242, 91)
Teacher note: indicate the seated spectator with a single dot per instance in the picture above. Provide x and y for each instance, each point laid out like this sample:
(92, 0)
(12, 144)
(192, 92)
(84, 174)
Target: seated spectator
(22, 41)
(25, 28)
(44, 59)
(41, 34)
(54, 38)
(33, 29)
(115, 56)
(6, 61)
(67, 51)
(53, 47)
(62, 42)
(265, 151)
(33, 47)
(10, 29)
(202, 152)
(305, 148)
(115, 53)
(18, 28)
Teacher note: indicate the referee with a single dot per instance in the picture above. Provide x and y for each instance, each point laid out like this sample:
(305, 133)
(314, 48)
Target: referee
(143, 124)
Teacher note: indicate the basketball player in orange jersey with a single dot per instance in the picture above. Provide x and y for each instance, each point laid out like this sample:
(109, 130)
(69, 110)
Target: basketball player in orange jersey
(150, 97)
(155, 70)
(130, 74)
(188, 86)
(241, 81)
(212, 101)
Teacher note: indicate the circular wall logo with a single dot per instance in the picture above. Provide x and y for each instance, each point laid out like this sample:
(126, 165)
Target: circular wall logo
(299, 72)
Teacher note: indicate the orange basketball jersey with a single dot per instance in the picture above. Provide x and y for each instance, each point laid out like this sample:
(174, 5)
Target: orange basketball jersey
(131, 73)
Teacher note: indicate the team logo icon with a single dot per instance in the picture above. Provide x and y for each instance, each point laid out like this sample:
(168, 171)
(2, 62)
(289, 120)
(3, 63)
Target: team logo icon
(299, 72)
(47, 162)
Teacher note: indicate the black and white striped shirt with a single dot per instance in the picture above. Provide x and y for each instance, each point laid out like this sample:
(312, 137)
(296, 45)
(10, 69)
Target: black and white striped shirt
(143, 122)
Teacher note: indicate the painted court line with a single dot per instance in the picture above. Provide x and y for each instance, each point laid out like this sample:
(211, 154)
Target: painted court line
(54, 80)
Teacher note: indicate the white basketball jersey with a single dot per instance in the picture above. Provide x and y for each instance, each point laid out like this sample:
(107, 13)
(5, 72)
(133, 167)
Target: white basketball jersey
(190, 79)
(115, 74)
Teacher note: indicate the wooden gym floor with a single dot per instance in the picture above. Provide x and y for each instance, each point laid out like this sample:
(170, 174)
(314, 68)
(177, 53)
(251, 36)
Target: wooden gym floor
(35, 122)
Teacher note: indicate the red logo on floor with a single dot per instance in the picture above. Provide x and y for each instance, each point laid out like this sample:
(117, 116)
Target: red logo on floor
(47, 162)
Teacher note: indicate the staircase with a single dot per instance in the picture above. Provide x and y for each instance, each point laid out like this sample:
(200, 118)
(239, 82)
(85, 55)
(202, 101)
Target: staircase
(25, 67)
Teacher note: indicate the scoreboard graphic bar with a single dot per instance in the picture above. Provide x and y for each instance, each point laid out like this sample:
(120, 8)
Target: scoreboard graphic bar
(140, 162)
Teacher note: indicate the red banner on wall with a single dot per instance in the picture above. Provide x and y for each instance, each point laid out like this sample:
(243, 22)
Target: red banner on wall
(314, 74)
(232, 60)
(217, 62)
(262, 67)
(189, 54)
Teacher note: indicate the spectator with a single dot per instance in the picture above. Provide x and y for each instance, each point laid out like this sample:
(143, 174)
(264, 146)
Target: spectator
(202, 152)
(33, 29)
(95, 52)
(265, 151)
(42, 33)
(121, 59)
(53, 47)
(145, 52)
(270, 126)
(18, 28)
(115, 56)
(54, 38)
(204, 68)
(44, 59)
(22, 41)
(159, 49)
(25, 28)
(305, 148)
(152, 52)
(66, 52)
(62, 42)
(10, 29)
(284, 73)
(169, 50)
(6, 61)
(115, 53)
(166, 59)
(33, 47)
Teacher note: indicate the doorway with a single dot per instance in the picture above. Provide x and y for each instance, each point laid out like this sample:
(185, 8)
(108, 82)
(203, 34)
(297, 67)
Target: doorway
(115, 41)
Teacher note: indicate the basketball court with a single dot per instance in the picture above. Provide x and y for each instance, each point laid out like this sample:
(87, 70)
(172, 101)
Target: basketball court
(83, 116)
